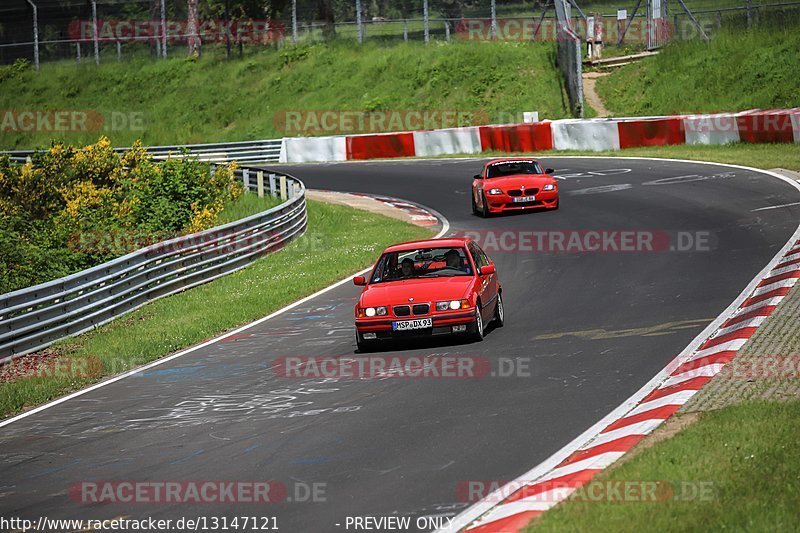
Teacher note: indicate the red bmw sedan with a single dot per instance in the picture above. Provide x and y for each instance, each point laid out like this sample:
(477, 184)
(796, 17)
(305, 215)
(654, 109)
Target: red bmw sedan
(428, 288)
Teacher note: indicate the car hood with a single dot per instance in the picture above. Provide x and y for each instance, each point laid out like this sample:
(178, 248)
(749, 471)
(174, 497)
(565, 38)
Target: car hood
(421, 289)
(530, 181)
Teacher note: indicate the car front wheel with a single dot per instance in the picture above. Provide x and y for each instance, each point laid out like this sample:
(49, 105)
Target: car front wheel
(477, 334)
(499, 312)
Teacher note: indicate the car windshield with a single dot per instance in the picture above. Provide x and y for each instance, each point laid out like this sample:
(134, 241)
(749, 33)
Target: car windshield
(509, 168)
(422, 263)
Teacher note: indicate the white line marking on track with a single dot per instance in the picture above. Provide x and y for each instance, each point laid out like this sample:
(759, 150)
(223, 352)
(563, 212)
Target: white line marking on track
(774, 207)
(445, 229)
(592, 437)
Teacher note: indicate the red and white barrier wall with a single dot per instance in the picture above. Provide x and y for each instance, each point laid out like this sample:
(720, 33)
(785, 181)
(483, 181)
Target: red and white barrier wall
(755, 126)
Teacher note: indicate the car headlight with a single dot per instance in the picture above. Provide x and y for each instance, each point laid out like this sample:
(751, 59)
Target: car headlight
(494, 191)
(372, 311)
(549, 187)
(452, 304)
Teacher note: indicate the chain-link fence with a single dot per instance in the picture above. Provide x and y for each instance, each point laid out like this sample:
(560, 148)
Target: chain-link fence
(568, 56)
(103, 30)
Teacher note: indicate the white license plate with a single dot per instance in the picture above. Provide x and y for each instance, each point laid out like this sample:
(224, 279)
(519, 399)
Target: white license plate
(419, 323)
(522, 199)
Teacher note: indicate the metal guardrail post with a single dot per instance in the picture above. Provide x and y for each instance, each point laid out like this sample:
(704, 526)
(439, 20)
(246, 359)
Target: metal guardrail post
(95, 33)
(493, 27)
(272, 189)
(358, 20)
(425, 20)
(294, 22)
(35, 34)
(163, 30)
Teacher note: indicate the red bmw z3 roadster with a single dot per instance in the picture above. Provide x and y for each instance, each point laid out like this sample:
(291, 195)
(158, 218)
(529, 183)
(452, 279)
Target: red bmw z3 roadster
(513, 184)
(428, 288)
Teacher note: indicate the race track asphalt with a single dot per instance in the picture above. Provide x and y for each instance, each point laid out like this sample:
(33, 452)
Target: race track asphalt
(583, 332)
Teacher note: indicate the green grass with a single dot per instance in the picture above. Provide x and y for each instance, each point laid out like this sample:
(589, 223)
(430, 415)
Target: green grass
(212, 99)
(736, 71)
(764, 156)
(247, 204)
(339, 241)
(749, 456)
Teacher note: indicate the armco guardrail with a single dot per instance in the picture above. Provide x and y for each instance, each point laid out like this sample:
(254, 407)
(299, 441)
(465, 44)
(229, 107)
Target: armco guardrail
(245, 153)
(35, 317)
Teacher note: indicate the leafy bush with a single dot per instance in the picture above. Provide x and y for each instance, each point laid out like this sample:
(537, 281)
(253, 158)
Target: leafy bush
(71, 208)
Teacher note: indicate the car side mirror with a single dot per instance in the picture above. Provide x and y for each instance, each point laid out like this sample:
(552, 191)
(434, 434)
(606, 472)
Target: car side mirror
(477, 177)
(359, 280)
(548, 171)
(487, 270)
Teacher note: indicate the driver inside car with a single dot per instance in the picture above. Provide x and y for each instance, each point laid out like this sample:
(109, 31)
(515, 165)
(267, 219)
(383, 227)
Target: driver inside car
(453, 259)
(406, 268)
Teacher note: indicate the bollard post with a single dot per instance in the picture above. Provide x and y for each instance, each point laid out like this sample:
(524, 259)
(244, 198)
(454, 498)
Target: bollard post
(405, 30)
(119, 52)
(272, 189)
(283, 188)
(260, 183)
(246, 179)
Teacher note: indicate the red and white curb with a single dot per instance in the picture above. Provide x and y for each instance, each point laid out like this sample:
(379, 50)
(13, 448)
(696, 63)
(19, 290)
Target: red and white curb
(417, 213)
(511, 507)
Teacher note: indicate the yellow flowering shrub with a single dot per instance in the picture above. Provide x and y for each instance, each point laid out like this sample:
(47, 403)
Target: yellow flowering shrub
(71, 208)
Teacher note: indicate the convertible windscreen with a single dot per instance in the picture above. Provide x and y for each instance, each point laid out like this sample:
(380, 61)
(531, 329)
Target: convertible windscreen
(509, 168)
(422, 263)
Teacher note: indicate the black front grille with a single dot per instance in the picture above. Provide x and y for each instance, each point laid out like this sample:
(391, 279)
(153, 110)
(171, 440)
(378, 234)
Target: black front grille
(401, 310)
(421, 309)
(518, 192)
